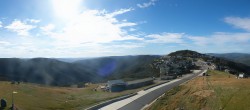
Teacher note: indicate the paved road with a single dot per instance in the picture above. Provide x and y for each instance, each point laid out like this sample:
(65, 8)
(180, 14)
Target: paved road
(145, 97)
(148, 98)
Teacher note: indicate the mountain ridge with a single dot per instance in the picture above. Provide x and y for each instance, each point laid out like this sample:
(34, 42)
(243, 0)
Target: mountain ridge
(50, 71)
(58, 73)
(237, 57)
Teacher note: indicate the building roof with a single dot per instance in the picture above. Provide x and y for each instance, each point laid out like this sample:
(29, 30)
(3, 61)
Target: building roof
(140, 81)
(113, 82)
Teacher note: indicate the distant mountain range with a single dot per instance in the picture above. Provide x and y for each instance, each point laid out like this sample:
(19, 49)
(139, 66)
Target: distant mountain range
(116, 67)
(65, 72)
(44, 71)
(70, 60)
(59, 73)
(237, 57)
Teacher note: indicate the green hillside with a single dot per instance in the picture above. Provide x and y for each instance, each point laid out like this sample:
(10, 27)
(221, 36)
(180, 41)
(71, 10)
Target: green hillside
(120, 67)
(185, 53)
(57, 73)
(237, 57)
(44, 71)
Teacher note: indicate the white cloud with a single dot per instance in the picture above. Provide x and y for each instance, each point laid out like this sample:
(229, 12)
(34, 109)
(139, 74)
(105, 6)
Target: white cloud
(127, 24)
(221, 38)
(21, 28)
(5, 43)
(131, 37)
(48, 29)
(1, 24)
(92, 49)
(93, 32)
(221, 42)
(93, 26)
(165, 38)
(128, 46)
(33, 20)
(147, 4)
(242, 23)
(118, 12)
(199, 40)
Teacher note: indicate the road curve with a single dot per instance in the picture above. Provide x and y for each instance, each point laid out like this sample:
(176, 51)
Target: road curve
(146, 97)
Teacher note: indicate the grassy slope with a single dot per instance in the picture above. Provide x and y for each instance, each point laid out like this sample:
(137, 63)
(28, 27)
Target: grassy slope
(35, 97)
(218, 91)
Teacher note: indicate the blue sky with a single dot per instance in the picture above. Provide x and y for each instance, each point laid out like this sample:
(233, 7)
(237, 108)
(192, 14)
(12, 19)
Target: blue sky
(93, 28)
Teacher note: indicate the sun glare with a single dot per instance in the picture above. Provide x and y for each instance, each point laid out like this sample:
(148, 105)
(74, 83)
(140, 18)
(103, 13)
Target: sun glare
(66, 9)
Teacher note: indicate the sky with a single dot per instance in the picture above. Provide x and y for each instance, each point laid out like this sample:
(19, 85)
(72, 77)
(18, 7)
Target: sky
(94, 28)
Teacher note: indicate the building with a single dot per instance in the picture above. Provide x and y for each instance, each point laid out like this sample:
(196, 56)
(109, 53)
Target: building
(168, 77)
(140, 83)
(116, 85)
(242, 75)
(120, 85)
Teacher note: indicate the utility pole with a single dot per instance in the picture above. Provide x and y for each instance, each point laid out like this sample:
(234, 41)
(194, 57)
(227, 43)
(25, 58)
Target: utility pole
(13, 106)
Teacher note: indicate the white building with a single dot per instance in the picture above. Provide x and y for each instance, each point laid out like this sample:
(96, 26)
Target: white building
(241, 75)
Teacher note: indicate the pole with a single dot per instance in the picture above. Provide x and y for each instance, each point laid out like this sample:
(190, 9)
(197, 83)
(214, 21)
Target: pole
(12, 101)
(13, 105)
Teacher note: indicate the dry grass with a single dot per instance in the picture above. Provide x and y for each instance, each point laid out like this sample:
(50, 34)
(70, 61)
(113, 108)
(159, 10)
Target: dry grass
(217, 91)
(36, 97)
